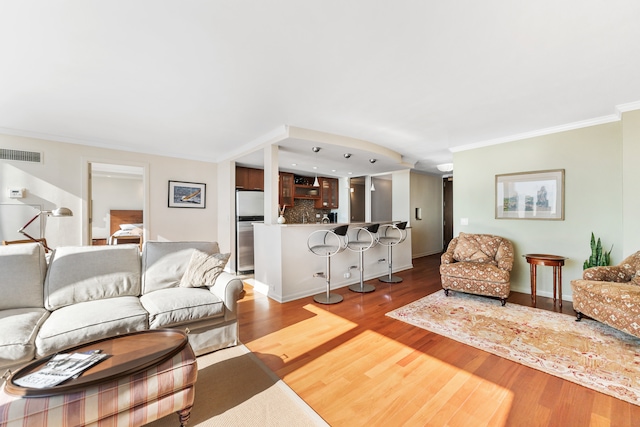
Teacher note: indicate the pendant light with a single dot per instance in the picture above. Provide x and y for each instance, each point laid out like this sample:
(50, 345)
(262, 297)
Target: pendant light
(315, 182)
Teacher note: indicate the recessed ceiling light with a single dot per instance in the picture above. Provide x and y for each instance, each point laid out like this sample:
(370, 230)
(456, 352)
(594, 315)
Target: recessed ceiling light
(349, 173)
(373, 160)
(333, 170)
(347, 155)
(294, 164)
(315, 149)
(315, 167)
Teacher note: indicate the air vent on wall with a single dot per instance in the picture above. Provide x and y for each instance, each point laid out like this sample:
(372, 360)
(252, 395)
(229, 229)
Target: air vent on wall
(19, 155)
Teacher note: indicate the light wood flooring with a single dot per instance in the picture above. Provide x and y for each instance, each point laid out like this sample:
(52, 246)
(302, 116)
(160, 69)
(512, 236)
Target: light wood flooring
(356, 367)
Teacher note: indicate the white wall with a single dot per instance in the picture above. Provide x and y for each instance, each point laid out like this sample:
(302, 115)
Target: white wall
(592, 160)
(426, 193)
(60, 181)
(382, 199)
(631, 181)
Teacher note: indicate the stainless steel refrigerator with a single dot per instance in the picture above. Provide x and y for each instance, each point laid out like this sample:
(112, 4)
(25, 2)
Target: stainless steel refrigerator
(249, 209)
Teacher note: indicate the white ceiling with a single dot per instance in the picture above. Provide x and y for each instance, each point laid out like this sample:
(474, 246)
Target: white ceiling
(207, 79)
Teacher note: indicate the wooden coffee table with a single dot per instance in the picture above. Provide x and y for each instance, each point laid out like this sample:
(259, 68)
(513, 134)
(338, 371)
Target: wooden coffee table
(132, 357)
(129, 354)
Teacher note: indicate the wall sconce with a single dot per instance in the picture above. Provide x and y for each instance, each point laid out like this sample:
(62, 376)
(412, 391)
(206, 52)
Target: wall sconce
(55, 213)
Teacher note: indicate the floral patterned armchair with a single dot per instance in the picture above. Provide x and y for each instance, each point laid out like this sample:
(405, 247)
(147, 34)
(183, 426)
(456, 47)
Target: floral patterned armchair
(478, 264)
(611, 295)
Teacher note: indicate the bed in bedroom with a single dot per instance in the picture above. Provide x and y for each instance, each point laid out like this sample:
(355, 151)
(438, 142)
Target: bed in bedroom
(125, 227)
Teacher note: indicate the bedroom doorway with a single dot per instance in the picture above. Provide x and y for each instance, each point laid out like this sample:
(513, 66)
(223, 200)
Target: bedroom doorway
(117, 204)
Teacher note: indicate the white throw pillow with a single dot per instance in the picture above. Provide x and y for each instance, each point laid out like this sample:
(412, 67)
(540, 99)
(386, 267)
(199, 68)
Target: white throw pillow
(203, 269)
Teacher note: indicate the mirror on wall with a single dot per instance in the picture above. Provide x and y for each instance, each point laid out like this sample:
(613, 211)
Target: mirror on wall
(117, 204)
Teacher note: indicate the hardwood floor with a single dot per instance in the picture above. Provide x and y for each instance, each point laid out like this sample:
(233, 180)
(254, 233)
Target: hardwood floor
(356, 367)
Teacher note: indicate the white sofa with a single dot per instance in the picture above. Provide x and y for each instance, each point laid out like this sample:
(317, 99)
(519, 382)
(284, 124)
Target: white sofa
(86, 293)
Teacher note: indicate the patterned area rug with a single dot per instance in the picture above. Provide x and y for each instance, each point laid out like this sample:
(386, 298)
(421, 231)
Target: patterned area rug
(588, 353)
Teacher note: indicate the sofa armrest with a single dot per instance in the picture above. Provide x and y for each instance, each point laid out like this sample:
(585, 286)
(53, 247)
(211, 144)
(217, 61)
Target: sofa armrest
(607, 274)
(447, 257)
(505, 255)
(229, 289)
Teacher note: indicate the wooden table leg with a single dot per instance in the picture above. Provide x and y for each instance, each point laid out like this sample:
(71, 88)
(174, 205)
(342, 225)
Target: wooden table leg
(560, 285)
(555, 276)
(533, 284)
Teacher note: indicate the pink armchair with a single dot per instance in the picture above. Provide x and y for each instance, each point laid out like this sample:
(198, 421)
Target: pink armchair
(478, 264)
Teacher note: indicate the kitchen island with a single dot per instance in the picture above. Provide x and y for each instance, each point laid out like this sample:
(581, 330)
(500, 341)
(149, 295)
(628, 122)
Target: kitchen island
(285, 268)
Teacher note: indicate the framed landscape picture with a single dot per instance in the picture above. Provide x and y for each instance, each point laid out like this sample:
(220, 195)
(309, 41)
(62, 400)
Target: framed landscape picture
(530, 195)
(187, 194)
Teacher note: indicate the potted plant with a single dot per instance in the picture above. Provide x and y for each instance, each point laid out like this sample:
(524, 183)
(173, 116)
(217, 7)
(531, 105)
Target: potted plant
(598, 256)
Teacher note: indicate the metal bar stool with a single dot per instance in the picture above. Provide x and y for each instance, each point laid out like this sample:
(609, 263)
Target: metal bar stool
(391, 235)
(364, 239)
(327, 243)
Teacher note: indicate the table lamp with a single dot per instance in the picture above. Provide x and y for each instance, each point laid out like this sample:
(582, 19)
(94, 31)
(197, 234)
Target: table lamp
(56, 213)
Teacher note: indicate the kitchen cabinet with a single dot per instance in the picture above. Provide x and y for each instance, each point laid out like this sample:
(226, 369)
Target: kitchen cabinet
(249, 178)
(306, 192)
(285, 187)
(328, 194)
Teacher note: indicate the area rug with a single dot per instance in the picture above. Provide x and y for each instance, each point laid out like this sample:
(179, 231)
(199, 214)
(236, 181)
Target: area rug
(588, 353)
(234, 388)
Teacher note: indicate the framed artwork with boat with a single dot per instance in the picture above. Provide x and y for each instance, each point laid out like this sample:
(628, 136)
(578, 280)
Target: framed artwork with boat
(187, 194)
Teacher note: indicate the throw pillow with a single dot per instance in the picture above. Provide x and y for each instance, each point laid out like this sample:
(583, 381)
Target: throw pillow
(203, 269)
(476, 248)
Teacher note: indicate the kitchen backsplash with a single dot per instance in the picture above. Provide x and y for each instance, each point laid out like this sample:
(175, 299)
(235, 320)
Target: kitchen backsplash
(304, 209)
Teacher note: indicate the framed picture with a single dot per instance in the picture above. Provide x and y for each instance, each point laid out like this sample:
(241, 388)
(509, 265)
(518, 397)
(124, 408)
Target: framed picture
(187, 194)
(530, 195)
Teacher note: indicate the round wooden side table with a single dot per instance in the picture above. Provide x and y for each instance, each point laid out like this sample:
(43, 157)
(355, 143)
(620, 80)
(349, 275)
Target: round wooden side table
(554, 261)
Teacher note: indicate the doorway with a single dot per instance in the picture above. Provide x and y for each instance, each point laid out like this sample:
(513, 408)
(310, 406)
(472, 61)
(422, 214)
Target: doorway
(117, 204)
(447, 211)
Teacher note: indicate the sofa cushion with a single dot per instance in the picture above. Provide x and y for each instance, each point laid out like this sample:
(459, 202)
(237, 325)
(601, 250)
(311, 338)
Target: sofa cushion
(23, 269)
(88, 321)
(476, 248)
(475, 271)
(19, 328)
(90, 273)
(203, 269)
(164, 263)
(174, 306)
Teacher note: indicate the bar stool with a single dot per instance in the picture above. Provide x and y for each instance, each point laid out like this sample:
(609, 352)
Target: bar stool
(327, 243)
(391, 235)
(364, 239)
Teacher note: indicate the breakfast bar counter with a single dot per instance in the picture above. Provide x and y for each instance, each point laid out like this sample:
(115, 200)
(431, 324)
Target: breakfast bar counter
(285, 268)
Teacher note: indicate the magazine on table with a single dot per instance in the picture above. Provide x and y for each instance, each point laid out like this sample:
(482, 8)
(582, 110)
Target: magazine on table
(60, 368)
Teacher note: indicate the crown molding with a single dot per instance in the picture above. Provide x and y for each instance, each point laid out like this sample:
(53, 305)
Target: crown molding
(101, 144)
(617, 116)
(631, 106)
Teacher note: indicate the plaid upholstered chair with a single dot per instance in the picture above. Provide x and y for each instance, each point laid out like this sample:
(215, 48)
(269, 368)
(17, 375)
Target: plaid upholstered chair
(611, 295)
(478, 264)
